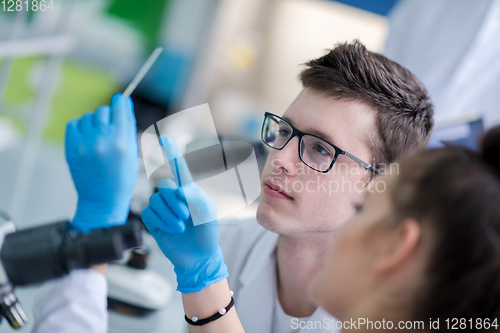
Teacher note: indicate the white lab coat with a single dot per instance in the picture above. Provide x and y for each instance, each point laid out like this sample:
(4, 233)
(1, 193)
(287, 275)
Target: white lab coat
(76, 303)
(453, 47)
(248, 252)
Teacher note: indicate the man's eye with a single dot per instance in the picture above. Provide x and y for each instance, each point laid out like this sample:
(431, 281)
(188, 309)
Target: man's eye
(322, 150)
(284, 132)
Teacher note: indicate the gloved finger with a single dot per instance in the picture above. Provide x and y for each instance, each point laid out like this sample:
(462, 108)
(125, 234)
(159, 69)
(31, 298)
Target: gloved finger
(177, 205)
(101, 116)
(163, 211)
(132, 111)
(153, 222)
(120, 111)
(73, 135)
(85, 124)
(201, 207)
(177, 162)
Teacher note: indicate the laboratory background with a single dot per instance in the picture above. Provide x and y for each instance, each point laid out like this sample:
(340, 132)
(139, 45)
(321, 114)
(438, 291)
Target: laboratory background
(242, 57)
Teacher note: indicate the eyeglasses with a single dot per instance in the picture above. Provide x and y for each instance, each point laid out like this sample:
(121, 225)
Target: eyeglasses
(315, 152)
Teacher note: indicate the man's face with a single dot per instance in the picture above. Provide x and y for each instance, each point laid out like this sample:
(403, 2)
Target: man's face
(296, 200)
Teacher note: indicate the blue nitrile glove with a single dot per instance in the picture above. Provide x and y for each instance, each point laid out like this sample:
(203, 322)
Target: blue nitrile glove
(102, 154)
(193, 250)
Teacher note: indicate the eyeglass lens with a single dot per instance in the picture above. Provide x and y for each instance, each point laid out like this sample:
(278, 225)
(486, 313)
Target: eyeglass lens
(314, 152)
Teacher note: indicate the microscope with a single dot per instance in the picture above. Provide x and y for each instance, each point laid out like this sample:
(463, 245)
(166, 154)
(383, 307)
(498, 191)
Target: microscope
(50, 251)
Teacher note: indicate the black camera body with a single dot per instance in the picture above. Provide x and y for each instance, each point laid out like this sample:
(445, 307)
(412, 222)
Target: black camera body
(50, 251)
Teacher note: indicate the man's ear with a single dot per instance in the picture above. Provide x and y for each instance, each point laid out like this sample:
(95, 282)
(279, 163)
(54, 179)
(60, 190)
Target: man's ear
(403, 245)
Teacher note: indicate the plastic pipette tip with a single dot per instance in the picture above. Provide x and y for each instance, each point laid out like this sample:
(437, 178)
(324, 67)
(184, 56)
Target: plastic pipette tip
(142, 72)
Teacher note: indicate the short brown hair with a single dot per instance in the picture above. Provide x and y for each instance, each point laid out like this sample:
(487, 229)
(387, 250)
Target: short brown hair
(404, 109)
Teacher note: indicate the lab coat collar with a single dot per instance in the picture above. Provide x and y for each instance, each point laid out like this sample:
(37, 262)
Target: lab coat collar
(259, 257)
(258, 288)
(256, 295)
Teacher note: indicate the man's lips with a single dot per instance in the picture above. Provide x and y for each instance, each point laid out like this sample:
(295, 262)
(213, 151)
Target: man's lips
(275, 191)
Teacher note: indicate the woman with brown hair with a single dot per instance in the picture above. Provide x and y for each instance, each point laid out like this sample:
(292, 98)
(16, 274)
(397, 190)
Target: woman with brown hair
(426, 252)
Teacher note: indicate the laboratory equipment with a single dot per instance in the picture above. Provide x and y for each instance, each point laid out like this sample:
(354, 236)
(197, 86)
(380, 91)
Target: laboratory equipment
(49, 251)
(135, 290)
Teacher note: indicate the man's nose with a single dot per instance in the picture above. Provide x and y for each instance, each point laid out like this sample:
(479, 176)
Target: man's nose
(287, 159)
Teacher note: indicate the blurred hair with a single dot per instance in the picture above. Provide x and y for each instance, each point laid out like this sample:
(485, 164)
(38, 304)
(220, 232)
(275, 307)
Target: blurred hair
(403, 107)
(456, 193)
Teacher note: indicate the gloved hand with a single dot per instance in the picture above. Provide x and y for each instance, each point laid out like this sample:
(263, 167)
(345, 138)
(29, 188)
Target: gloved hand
(102, 154)
(193, 250)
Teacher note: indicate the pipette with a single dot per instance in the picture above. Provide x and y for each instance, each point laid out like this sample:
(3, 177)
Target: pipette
(142, 72)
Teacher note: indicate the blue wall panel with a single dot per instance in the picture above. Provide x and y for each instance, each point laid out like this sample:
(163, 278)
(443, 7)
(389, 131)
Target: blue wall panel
(381, 7)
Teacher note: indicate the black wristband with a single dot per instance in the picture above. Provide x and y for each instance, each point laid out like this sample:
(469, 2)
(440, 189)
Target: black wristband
(199, 322)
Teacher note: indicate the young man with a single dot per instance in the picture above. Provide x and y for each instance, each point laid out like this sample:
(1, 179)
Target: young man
(358, 111)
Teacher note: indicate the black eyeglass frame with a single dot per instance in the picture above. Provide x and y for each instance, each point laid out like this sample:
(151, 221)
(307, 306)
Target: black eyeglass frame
(298, 133)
